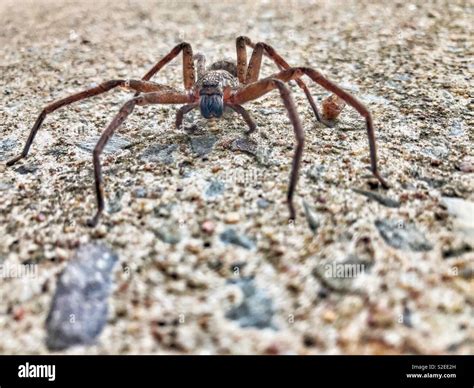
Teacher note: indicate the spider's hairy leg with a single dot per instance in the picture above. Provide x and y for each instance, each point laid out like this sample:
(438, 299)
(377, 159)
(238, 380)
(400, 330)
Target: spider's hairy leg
(262, 48)
(253, 70)
(125, 111)
(182, 111)
(297, 72)
(317, 77)
(189, 74)
(246, 116)
(200, 60)
(241, 44)
(260, 88)
(137, 85)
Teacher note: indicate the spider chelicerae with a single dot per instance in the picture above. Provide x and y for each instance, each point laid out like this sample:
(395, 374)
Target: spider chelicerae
(222, 84)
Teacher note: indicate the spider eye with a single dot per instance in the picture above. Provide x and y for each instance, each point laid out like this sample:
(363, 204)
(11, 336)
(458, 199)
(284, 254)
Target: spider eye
(211, 105)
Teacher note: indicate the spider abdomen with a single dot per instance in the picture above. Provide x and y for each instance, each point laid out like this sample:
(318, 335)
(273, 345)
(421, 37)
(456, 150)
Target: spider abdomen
(217, 78)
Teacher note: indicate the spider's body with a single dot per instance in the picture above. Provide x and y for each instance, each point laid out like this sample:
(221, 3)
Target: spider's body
(223, 84)
(212, 89)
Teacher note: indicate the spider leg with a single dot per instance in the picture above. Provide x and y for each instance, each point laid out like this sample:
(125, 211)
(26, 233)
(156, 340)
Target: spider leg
(241, 58)
(189, 75)
(258, 89)
(246, 116)
(252, 74)
(200, 60)
(140, 86)
(297, 72)
(317, 77)
(182, 111)
(125, 111)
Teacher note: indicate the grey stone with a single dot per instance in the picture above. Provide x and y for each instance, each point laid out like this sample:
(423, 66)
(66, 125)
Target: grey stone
(404, 236)
(256, 309)
(230, 236)
(168, 233)
(262, 203)
(214, 189)
(436, 152)
(382, 199)
(311, 217)
(26, 169)
(162, 153)
(244, 145)
(79, 309)
(5, 186)
(6, 145)
(140, 192)
(457, 129)
(115, 144)
(316, 173)
(202, 145)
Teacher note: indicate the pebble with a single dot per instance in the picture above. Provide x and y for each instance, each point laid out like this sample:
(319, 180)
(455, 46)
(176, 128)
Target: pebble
(437, 152)
(79, 308)
(401, 235)
(255, 310)
(6, 146)
(457, 129)
(159, 153)
(115, 144)
(311, 217)
(168, 233)
(380, 317)
(214, 189)
(244, 145)
(140, 192)
(329, 316)
(466, 165)
(26, 169)
(203, 144)
(208, 227)
(316, 173)
(232, 218)
(463, 211)
(230, 236)
(382, 199)
(5, 186)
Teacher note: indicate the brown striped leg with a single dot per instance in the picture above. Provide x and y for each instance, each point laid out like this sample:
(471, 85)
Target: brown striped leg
(317, 77)
(246, 116)
(254, 91)
(137, 85)
(263, 48)
(241, 46)
(200, 60)
(253, 70)
(189, 75)
(258, 89)
(145, 99)
(181, 112)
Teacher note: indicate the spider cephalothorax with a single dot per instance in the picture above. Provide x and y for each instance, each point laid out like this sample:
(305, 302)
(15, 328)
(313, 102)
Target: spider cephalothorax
(211, 100)
(223, 84)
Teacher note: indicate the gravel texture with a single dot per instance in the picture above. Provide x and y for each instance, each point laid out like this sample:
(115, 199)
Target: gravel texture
(207, 261)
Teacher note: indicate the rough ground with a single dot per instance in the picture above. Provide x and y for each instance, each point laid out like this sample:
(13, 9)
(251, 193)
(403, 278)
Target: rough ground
(207, 261)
